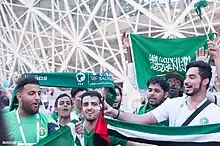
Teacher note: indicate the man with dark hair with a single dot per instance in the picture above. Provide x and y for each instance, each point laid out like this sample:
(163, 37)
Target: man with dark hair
(178, 110)
(118, 99)
(4, 104)
(26, 117)
(92, 104)
(157, 92)
(25, 125)
(63, 108)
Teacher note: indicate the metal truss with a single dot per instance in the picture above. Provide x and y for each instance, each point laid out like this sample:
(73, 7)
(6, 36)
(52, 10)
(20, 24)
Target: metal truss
(84, 35)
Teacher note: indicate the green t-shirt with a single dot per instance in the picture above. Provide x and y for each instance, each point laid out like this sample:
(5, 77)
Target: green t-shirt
(147, 108)
(29, 125)
(88, 140)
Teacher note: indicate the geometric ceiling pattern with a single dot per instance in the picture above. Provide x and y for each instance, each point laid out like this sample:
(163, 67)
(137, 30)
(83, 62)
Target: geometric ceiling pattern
(84, 35)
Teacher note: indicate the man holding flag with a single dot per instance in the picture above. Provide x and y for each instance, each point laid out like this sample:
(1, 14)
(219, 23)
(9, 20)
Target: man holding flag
(94, 125)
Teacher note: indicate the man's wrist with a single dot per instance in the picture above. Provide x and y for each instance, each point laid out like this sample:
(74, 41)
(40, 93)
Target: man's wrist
(116, 114)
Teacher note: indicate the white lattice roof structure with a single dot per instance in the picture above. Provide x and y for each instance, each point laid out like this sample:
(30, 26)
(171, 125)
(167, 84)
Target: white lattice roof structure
(84, 35)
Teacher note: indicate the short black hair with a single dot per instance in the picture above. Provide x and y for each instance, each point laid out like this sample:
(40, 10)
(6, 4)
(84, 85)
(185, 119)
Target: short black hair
(92, 94)
(119, 88)
(30, 79)
(205, 70)
(74, 91)
(60, 96)
(5, 101)
(161, 81)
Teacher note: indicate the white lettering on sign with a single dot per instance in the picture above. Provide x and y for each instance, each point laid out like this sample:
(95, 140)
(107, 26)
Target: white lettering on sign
(168, 64)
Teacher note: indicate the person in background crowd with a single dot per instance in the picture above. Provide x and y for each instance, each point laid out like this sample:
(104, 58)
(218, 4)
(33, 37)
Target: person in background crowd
(63, 108)
(177, 110)
(77, 107)
(118, 100)
(176, 84)
(91, 108)
(4, 101)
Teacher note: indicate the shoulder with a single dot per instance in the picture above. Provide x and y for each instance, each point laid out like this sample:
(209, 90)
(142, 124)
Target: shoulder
(9, 115)
(46, 118)
(175, 100)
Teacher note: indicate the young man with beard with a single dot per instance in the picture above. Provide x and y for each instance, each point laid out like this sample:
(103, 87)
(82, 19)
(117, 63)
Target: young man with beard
(91, 108)
(26, 126)
(157, 92)
(177, 110)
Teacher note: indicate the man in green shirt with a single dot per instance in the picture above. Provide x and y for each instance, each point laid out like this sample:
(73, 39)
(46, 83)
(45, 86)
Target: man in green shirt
(157, 92)
(26, 126)
(91, 107)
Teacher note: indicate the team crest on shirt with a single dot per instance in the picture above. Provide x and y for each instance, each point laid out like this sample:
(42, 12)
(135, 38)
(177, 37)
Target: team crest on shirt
(204, 121)
(42, 132)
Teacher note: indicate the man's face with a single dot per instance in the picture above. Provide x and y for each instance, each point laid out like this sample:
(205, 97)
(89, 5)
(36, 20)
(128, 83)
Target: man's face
(193, 82)
(118, 99)
(64, 107)
(156, 94)
(91, 108)
(77, 99)
(30, 98)
(175, 86)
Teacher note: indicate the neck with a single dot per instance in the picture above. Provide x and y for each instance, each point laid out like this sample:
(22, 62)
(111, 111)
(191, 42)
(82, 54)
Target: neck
(22, 113)
(64, 120)
(196, 99)
(89, 126)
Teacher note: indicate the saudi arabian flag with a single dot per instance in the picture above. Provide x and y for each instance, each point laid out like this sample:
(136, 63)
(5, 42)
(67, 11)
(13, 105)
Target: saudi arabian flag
(157, 56)
(207, 135)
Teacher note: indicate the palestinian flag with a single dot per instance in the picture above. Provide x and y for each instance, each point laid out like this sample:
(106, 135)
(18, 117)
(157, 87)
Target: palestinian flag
(65, 136)
(208, 135)
(157, 56)
(100, 137)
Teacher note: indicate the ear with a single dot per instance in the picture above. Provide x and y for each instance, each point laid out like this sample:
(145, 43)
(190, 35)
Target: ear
(18, 95)
(205, 81)
(55, 109)
(166, 94)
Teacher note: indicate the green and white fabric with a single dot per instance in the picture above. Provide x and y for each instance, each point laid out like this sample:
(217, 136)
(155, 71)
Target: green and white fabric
(208, 135)
(157, 56)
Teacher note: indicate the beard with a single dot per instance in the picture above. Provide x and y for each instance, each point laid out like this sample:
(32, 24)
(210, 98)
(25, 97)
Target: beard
(27, 107)
(195, 90)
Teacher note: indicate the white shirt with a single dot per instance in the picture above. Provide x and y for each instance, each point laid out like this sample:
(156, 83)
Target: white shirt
(177, 112)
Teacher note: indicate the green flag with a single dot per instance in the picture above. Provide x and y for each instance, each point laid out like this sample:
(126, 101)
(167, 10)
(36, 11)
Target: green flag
(198, 7)
(157, 56)
(72, 80)
(65, 136)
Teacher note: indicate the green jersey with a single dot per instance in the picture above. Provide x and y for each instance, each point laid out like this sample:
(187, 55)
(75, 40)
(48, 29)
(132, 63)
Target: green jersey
(88, 140)
(29, 126)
